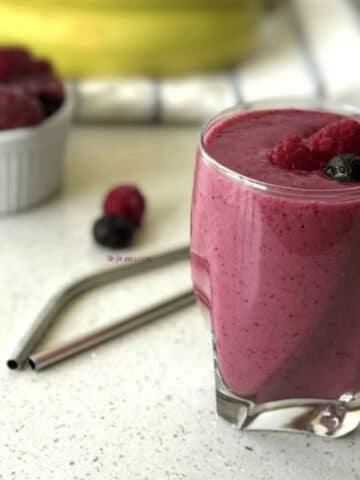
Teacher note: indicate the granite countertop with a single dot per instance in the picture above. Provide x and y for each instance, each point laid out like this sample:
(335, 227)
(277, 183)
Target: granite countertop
(140, 407)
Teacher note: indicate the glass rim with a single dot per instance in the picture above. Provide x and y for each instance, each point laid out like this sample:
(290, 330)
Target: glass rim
(347, 192)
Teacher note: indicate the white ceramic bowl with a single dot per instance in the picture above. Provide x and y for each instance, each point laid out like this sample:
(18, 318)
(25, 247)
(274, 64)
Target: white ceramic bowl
(31, 160)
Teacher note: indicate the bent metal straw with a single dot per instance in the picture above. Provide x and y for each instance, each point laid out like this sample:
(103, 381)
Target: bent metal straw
(47, 358)
(51, 310)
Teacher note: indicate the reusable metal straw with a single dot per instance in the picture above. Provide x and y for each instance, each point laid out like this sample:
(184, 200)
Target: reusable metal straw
(46, 358)
(56, 303)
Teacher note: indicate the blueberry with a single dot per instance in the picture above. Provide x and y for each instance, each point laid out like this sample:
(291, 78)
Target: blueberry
(113, 231)
(344, 167)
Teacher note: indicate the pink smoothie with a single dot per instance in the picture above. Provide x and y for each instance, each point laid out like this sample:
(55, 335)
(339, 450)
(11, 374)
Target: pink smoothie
(279, 271)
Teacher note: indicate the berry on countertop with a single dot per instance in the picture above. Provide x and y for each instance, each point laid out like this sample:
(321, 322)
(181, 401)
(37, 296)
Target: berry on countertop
(293, 153)
(342, 136)
(344, 167)
(113, 231)
(18, 109)
(125, 200)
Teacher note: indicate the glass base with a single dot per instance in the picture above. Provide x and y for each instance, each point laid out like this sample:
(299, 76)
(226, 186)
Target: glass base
(324, 418)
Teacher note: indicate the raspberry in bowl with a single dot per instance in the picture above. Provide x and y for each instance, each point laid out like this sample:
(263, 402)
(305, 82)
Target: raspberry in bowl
(35, 114)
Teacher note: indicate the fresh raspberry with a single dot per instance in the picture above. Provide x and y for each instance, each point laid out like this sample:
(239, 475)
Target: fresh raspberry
(17, 109)
(42, 67)
(342, 136)
(292, 153)
(47, 88)
(125, 200)
(14, 61)
(51, 94)
(36, 77)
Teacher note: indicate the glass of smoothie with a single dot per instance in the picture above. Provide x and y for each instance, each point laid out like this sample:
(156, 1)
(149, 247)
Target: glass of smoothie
(275, 257)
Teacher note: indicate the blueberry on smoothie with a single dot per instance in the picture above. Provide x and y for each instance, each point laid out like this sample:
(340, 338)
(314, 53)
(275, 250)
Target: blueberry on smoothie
(344, 167)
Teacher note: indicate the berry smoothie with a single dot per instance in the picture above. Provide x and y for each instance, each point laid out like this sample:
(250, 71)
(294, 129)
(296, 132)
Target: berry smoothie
(276, 255)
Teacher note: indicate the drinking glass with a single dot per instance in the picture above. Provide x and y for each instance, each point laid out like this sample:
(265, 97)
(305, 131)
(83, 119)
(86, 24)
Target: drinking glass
(277, 271)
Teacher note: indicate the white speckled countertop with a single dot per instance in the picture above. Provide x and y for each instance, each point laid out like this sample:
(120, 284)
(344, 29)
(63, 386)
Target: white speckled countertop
(141, 407)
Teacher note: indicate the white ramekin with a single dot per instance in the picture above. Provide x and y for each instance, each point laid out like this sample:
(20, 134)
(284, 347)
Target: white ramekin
(31, 160)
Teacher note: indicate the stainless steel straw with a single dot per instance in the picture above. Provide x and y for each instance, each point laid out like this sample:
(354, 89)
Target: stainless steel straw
(51, 310)
(46, 358)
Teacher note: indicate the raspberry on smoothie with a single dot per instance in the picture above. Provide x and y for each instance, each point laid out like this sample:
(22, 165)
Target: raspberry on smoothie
(312, 153)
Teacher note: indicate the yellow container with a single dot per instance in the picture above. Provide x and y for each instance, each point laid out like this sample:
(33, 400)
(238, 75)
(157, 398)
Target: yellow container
(119, 37)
